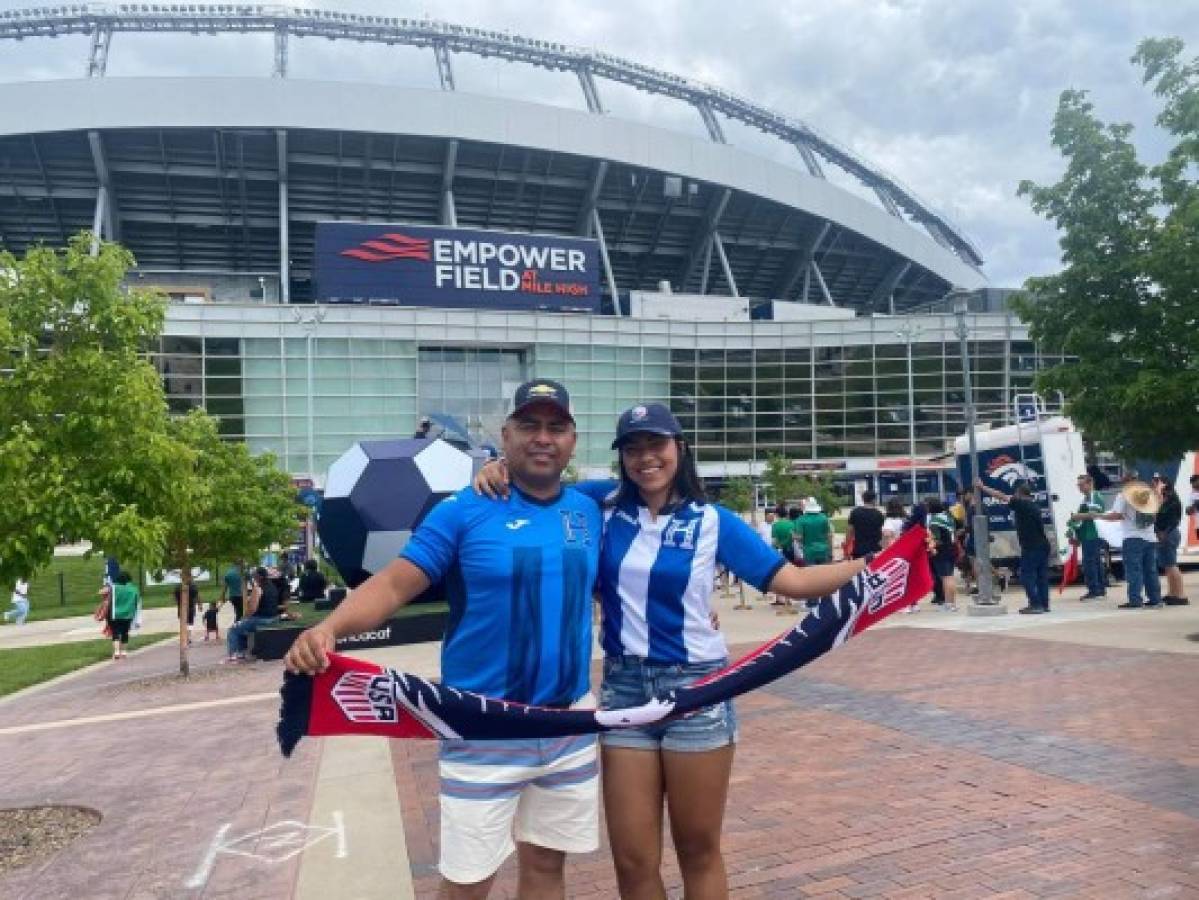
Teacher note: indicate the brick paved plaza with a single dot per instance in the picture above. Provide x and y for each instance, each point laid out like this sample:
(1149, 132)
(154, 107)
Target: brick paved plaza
(915, 762)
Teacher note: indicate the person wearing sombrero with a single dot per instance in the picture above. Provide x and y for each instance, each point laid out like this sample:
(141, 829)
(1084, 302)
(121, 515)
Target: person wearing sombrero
(1136, 506)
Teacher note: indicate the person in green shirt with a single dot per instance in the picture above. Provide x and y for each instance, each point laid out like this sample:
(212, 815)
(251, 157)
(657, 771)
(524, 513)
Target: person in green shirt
(125, 601)
(1087, 535)
(814, 532)
(782, 534)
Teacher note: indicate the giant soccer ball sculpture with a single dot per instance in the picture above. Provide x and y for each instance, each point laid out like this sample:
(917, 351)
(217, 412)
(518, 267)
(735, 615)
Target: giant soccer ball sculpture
(377, 492)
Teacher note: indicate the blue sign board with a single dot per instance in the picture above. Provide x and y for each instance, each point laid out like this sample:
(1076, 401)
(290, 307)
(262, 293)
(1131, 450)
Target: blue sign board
(1003, 468)
(421, 265)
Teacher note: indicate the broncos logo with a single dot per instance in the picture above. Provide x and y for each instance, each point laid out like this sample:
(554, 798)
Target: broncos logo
(1010, 471)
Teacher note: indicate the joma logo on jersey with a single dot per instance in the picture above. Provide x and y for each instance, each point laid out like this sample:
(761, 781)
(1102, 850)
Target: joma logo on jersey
(681, 535)
(574, 528)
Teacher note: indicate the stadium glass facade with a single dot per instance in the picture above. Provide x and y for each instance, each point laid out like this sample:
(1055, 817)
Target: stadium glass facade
(305, 388)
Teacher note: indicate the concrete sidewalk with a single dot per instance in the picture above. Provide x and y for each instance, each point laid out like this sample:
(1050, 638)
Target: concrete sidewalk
(938, 756)
(85, 628)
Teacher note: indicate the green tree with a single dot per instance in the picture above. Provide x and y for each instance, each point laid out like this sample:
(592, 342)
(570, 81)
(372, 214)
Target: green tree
(84, 451)
(1124, 310)
(226, 505)
(821, 487)
(738, 494)
(780, 481)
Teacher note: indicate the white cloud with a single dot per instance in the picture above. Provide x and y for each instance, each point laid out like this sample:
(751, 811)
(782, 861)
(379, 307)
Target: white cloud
(955, 97)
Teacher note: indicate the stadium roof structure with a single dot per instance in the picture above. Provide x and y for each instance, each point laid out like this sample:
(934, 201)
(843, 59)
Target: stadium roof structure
(230, 174)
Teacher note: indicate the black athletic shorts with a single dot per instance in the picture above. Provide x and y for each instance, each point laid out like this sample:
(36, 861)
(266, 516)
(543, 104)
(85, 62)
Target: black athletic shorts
(942, 564)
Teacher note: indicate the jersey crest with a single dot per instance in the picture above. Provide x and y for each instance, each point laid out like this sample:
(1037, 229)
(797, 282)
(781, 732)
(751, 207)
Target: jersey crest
(681, 535)
(574, 528)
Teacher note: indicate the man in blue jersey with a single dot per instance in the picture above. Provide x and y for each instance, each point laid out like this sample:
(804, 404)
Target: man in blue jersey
(518, 576)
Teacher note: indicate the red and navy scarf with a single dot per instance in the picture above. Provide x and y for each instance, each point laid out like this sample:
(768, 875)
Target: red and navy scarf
(357, 697)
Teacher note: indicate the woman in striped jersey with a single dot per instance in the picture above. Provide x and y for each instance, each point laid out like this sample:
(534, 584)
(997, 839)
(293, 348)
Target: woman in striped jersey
(662, 542)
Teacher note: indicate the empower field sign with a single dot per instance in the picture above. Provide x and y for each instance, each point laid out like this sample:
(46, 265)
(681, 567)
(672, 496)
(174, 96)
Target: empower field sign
(422, 265)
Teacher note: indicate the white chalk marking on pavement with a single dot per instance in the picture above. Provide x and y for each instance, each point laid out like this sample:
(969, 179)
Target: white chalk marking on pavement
(202, 873)
(273, 844)
(340, 824)
(138, 713)
(356, 788)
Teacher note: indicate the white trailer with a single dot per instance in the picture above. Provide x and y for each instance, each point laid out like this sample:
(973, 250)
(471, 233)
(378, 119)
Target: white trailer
(1045, 453)
(1188, 468)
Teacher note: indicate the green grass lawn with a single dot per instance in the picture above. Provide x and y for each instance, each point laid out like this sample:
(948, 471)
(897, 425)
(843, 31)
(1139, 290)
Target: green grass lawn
(24, 666)
(74, 594)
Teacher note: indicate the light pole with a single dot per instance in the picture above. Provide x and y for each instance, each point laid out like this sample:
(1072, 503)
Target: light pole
(909, 331)
(985, 603)
(310, 323)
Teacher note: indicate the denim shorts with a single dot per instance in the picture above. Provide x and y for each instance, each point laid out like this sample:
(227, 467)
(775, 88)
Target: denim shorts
(631, 681)
(1167, 548)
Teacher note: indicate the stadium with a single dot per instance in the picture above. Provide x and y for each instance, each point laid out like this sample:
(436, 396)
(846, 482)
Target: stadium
(799, 308)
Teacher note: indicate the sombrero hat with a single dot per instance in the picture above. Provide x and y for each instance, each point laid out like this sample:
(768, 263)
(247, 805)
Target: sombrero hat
(1141, 497)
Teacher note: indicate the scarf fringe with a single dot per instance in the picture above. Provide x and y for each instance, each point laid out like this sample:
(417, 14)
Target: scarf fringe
(296, 701)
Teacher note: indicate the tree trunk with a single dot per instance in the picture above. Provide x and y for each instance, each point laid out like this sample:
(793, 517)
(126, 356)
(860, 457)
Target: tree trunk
(185, 580)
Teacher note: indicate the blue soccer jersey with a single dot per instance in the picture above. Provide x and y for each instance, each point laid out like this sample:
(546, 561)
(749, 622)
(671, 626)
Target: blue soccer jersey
(518, 575)
(657, 577)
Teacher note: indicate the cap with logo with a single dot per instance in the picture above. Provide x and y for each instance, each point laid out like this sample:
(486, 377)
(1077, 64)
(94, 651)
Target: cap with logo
(542, 390)
(647, 418)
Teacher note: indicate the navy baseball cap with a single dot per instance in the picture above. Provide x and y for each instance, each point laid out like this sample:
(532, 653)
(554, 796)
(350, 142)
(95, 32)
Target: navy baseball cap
(541, 390)
(648, 418)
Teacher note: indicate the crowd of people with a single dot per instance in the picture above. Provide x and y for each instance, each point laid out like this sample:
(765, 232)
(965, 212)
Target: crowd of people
(257, 597)
(1151, 521)
(1150, 516)
(805, 536)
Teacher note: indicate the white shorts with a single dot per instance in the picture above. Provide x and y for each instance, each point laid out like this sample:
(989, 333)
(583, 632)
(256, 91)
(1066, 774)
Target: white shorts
(494, 793)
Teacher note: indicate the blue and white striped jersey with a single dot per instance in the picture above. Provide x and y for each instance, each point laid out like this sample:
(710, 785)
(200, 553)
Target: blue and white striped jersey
(656, 577)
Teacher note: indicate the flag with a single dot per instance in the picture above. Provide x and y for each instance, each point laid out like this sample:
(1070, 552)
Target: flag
(357, 697)
(1069, 570)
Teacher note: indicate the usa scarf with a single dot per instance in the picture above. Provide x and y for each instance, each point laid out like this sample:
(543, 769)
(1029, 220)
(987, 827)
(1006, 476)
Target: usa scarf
(357, 697)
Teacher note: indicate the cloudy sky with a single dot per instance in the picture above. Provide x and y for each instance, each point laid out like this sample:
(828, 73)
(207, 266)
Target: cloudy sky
(954, 97)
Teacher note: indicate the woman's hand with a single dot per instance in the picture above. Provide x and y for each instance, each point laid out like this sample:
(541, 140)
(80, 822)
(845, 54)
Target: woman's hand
(492, 480)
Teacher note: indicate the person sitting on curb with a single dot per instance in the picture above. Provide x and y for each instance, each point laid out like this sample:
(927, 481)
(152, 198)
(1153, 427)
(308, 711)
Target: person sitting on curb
(313, 583)
(262, 608)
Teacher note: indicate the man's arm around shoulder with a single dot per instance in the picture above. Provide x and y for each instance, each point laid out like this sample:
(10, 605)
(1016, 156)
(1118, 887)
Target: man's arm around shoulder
(368, 605)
